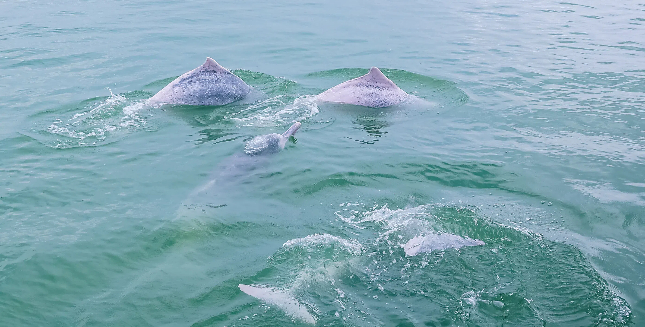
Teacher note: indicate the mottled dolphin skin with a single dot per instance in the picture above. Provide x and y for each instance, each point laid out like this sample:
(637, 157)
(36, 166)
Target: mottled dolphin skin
(370, 90)
(270, 143)
(207, 85)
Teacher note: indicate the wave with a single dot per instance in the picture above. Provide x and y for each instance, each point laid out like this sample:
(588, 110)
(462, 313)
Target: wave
(411, 265)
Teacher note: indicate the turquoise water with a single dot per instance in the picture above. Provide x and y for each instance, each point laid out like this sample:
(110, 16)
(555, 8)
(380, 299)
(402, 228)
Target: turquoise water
(528, 136)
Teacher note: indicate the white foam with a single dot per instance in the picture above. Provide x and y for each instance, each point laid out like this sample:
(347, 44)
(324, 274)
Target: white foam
(392, 218)
(615, 148)
(281, 299)
(273, 111)
(437, 242)
(134, 108)
(623, 312)
(606, 193)
(353, 246)
(98, 122)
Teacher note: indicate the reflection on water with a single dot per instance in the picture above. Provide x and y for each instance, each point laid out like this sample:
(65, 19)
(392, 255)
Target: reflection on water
(373, 126)
(216, 135)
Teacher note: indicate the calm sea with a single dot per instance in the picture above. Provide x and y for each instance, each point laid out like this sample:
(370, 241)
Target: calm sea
(527, 142)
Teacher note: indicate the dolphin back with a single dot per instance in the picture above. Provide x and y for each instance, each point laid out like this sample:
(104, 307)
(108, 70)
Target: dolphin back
(207, 85)
(373, 90)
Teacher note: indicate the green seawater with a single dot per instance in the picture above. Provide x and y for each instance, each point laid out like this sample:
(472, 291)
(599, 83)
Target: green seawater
(527, 134)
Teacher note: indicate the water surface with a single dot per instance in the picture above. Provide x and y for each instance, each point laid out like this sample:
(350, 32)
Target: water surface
(528, 137)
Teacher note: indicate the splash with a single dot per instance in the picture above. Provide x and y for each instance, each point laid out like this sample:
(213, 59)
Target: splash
(317, 240)
(606, 193)
(277, 111)
(99, 122)
(432, 242)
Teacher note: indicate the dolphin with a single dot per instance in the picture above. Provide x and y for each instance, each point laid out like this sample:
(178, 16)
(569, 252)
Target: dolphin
(237, 168)
(370, 90)
(207, 85)
(270, 143)
(256, 151)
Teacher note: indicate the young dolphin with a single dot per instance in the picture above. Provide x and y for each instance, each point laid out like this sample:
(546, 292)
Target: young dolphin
(370, 90)
(270, 143)
(207, 85)
(256, 152)
(235, 171)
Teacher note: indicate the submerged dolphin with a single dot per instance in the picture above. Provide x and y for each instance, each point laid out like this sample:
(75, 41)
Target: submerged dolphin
(235, 171)
(207, 85)
(255, 154)
(255, 151)
(370, 90)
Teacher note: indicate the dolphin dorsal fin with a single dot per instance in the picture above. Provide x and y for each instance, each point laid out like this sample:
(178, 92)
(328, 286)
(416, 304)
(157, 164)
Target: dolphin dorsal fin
(375, 72)
(376, 76)
(373, 90)
(212, 65)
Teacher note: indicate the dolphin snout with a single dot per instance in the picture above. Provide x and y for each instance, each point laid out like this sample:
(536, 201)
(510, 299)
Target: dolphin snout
(292, 130)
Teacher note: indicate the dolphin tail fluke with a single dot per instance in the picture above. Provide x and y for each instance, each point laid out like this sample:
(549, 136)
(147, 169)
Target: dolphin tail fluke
(292, 130)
